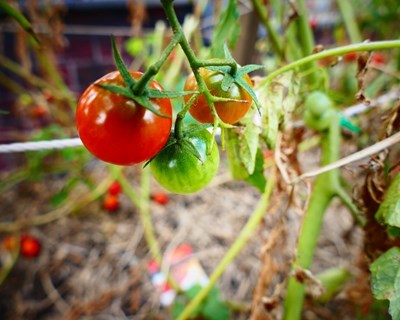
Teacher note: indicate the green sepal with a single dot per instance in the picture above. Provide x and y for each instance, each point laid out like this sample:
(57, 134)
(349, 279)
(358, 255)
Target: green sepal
(241, 82)
(153, 93)
(123, 70)
(227, 82)
(191, 148)
(142, 100)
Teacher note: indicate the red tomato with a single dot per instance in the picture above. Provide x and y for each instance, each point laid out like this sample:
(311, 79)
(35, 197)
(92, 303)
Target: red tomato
(160, 197)
(229, 112)
(114, 188)
(378, 58)
(30, 246)
(111, 203)
(39, 111)
(350, 57)
(116, 129)
(10, 243)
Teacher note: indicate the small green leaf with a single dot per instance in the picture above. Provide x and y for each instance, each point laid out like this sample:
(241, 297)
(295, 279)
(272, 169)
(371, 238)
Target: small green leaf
(385, 280)
(278, 100)
(257, 178)
(248, 143)
(226, 30)
(215, 309)
(389, 210)
(123, 70)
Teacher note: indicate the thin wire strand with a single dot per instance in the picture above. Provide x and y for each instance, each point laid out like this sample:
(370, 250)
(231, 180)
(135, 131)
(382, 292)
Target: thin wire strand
(40, 145)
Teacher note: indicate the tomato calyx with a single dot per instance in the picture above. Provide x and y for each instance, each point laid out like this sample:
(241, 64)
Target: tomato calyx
(134, 90)
(236, 75)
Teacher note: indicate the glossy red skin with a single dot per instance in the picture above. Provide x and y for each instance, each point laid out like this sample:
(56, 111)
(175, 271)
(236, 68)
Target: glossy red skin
(30, 246)
(160, 197)
(350, 57)
(229, 112)
(110, 203)
(116, 129)
(378, 58)
(114, 188)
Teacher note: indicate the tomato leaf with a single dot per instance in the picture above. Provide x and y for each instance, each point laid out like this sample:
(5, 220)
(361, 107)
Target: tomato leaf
(226, 30)
(20, 19)
(278, 100)
(389, 210)
(123, 70)
(257, 178)
(385, 280)
(248, 143)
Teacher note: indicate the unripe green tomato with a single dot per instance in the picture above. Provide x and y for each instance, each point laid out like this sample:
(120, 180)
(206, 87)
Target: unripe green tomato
(178, 169)
(319, 111)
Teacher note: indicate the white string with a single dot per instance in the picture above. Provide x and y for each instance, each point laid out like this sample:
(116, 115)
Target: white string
(76, 142)
(40, 145)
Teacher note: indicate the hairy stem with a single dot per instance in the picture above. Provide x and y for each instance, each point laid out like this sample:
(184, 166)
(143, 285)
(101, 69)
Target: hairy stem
(367, 46)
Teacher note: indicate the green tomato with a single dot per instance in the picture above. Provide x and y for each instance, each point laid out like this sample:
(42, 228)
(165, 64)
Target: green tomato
(318, 111)
(187, 164)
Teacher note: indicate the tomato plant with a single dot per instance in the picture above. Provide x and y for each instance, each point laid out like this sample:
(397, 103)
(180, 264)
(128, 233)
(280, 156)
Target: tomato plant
(189, 163)
(30, 246)
(117, 129)
(229, 111)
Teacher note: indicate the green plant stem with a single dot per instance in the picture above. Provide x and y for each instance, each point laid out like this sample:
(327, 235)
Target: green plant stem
(155, 68)
(368, 46)
(142, 203)
(347, 12)
(181, 115)
(262, 13)
(306, 37)
(325, 188)
(234, 250)
(194, 62)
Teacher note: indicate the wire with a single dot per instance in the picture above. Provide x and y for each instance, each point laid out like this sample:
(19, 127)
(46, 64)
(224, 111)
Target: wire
(40, 145)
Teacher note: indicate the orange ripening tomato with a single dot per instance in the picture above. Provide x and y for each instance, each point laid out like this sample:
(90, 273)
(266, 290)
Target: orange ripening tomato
(228, 111)
(111, 203)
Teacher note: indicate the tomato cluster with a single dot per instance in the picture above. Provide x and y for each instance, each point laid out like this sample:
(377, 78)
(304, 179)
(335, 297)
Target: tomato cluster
(119, 129)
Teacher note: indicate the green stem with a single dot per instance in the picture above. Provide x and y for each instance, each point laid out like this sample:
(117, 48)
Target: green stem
(368, 46)
(325, 188)
(262, 13)
(141, 84)
(306, 38)
(181, 115)
(234, 250)
(142, 204)
(194, 62)
(347, 12)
